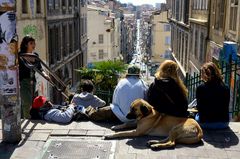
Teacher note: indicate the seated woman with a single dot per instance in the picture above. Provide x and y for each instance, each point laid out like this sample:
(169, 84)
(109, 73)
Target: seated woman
(167, 94)
(213, 98)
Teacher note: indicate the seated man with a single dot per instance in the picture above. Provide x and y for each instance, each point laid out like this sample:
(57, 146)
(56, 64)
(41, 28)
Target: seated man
(127, 90)
(44, 109)
(86, 97)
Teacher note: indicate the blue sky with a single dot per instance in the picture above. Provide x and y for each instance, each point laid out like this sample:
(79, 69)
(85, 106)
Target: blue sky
(139, 2)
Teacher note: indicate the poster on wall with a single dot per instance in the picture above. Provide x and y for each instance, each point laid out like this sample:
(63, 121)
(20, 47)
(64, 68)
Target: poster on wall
(7, 5)
(8, 50)
(8, 41)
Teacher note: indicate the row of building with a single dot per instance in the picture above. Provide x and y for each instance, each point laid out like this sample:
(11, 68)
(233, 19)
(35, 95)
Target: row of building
(156, 36)
(199, 29)
(71, 34)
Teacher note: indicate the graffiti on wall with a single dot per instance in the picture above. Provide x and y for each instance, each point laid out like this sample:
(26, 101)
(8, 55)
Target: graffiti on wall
(34, 31)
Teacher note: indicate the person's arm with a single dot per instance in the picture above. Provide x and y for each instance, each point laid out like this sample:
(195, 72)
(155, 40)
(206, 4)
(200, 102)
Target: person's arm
(149, 93)
(39, 67)
(99, 102)
(59, 116)
(198, 98)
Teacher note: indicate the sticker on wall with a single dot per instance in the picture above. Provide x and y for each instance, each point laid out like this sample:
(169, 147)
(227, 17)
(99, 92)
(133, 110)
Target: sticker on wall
(8, 82)
(7, 5)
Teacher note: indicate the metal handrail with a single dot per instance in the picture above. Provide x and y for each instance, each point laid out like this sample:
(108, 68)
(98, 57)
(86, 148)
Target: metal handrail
(64, 91)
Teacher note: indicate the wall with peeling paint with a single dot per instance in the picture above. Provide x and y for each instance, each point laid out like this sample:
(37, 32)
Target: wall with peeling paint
(34, 24)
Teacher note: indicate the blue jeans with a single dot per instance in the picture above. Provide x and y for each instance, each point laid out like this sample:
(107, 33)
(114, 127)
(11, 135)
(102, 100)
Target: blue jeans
(212, 125)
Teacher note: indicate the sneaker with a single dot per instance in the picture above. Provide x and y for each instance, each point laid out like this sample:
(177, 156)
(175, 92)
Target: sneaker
(81, 109)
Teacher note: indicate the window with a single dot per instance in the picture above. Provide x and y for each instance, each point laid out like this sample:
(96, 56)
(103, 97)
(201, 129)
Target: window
(233, 15)
(57, 4)
(167, 54)
(50, 5)
(203, 4)
(100, 38)
(196, 43)
(57, 43)
(166, 27)
(70, 38)
(38, 6)
(51, 44)
(219, 14)
(83, 2)
(64, 40)
(69, 3)
(167, 40)
(202, 50)
(76, 3)
(177, 10)
(64, 3)
(186, 51)
(76, 35)
(24, 6)
(100, 54)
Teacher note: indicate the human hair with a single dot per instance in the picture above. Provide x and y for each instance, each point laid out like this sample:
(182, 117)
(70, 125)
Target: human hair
(168, 69)
(24, 43)
(211, 73)
(87, 86)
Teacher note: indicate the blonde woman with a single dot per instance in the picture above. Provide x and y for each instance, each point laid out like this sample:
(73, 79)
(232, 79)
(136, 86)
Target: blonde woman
(213, 98)
(167, 94)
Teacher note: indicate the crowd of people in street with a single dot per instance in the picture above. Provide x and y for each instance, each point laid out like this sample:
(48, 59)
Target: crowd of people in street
(167, 94)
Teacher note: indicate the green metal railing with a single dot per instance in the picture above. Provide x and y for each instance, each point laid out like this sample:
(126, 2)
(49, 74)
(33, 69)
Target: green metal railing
(105, 95)
(231, 77)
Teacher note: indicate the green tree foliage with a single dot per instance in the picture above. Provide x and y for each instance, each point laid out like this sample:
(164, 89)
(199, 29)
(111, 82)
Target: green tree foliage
(104, 74)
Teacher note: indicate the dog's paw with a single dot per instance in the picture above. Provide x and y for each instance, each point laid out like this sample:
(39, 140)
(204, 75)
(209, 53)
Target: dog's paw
(151, 142)
(107, 137)
(155, 147)
(114, 128)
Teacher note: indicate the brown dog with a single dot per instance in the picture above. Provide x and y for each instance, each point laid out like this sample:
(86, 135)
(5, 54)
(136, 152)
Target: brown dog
(151, 122)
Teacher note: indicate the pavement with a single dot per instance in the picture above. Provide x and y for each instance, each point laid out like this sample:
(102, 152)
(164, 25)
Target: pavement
(84, 140)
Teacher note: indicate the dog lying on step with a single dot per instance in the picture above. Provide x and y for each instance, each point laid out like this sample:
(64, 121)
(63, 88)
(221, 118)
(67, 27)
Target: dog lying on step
(151, 122)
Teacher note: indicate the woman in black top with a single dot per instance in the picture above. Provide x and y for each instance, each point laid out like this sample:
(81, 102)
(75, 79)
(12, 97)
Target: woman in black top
(27, 76)
(212, 99)
(167, 94)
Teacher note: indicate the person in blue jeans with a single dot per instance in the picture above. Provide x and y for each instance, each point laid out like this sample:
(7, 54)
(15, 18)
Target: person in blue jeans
(213, 98)
(43, 109)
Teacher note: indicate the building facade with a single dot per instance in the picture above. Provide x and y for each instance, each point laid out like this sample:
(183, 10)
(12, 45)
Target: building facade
(199, 29)
(224, 26)
(56, 27)
(199, 24)
(180, 33)
(128, 36)
(83, 30)
(161, 37)
(101, 31)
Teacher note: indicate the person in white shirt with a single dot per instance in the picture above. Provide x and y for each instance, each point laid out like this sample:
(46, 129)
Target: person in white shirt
(86, 97)
(127, 90)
